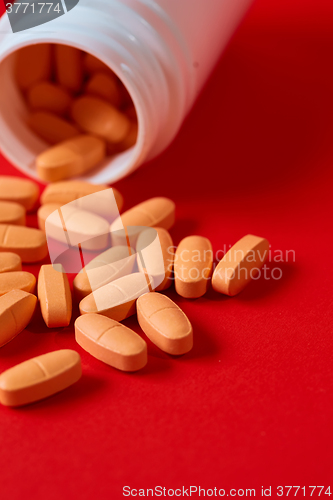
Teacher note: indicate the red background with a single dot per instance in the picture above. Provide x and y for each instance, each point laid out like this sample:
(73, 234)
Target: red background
(252, 404)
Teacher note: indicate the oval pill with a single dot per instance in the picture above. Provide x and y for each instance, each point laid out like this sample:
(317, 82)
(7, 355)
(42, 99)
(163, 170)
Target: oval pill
(22, 191)
(69, 67)
(17, 280)
(73, 226)
(10, 262)
(240, 264)
(111, 342)
(148, 256)
(30, 244)
(100, 118)
(47, 96)
(158, 212)
(66, 191)
(193, 266)
(106, 267)
(51, 128)
(164, 323)
(33, 64)
(12, 213)
(16, 310)
(40, 377)
(105, 87)
(116, 300)
(54, 295)
(70, 158)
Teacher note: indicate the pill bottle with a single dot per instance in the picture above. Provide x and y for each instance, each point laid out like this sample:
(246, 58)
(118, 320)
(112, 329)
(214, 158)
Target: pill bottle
(162, 50)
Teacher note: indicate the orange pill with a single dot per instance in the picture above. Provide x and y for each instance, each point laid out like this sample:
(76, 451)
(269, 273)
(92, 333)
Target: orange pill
(51, 128)
(33, 64)
(105, 87)
(111, 342)
(18, 190)
(100, 118)
(17, 280)
(240, 264)
(158, 212)
(164, 323)
(16, 310)
(94, 65)
(70, 158)
(149, 256)
(107, 204)
(193, 266)
(55, 296)
(30, 244)
(12, 213)
(67, 191)
(39, 377)
(10, 262)
(72, 226)
(49, 97)
(117, 299)
(69, 67)
(106, 267)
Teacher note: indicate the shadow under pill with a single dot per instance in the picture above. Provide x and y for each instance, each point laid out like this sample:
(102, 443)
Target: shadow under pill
(87, 386)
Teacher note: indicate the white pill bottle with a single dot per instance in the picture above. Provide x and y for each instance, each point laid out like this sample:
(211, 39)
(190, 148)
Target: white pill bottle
(162, 50)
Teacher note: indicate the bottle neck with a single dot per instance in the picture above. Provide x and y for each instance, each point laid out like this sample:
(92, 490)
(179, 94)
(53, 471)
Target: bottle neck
(154, 73)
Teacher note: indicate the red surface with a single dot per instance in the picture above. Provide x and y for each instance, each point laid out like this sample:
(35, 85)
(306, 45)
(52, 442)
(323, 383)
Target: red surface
(252, 404)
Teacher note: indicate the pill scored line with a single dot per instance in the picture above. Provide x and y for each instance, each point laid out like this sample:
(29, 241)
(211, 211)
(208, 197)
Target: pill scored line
(41, 367)
(64, 226)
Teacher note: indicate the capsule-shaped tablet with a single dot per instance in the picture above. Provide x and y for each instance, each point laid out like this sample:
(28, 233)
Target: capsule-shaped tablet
(10, 262)
(106, 267)
(12, 213)
(111, 342)
(30, 244)
(16, 310)
(116, 300)
(33, 64)
(100, 118)
(55, 296)
(105, 87)
(158, 212)
(240, 264)
(40, 377)
(52, 128)
(67, 191)
(164, 323)
(149, 257)
(193, 266)
(69, 67)
(92, 65)
(73, 226)
(49, 97)
(17, 280)
(70, 158)
(18, 190)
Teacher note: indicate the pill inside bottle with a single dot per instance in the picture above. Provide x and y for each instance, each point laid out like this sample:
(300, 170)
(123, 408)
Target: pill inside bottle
(85, 95)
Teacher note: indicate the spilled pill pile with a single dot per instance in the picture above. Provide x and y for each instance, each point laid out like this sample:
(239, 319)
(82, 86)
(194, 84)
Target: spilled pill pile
(77, 106)
(132, 261)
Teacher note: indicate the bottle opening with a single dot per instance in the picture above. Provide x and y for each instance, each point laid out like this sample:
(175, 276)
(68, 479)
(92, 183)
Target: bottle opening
(52, 93)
